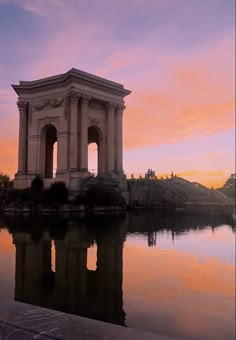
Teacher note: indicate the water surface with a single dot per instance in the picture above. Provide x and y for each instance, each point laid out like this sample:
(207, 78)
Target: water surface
(172, 275)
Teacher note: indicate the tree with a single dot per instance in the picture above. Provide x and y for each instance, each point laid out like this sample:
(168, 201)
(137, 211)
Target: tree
(229, 188)
(100, 194)
(4, 181)
(57, 193)
(37, 188)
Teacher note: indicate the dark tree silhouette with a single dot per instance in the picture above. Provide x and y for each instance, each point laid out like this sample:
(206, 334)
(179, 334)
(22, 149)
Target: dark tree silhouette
(229, 188)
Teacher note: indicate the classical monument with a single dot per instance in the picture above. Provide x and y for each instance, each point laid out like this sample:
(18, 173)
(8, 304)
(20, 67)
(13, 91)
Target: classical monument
(73, 109)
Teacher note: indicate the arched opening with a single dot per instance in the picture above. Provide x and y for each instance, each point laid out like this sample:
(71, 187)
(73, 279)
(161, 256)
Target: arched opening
(54, 160)
(49, 152)
(94, 148)
(93, 158)
(92, 257)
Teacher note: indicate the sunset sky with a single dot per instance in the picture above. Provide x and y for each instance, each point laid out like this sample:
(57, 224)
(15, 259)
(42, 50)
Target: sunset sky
(176, 56)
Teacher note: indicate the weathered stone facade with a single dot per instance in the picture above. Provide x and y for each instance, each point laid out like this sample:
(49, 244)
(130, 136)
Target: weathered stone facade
(73, 109)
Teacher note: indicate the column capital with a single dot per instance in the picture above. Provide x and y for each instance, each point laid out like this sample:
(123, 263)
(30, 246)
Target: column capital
(110, 105)
(74, 97)
(120, 108)
(85, 99)
(21, 106)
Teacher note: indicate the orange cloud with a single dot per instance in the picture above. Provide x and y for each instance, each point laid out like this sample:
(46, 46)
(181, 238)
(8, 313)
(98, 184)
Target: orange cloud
(176, 96)
(208, 178)
(8, 155)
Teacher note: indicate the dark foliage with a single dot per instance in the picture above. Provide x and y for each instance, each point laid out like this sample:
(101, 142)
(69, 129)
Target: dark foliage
(101, 195)
(15, 195)
(229, 188)
(37, 189)
(57, 193)
(5, 181)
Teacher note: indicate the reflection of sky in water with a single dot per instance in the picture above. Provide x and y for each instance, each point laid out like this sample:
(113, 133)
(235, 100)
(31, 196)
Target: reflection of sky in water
(183, 288)
(7, 266)
(218, 242)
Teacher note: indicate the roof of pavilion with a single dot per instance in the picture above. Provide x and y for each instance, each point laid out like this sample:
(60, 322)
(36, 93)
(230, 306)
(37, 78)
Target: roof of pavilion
(73, 75)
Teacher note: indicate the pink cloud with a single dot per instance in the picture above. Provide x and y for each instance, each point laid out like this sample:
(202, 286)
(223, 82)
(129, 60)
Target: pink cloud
(178, 94)
(38, 7)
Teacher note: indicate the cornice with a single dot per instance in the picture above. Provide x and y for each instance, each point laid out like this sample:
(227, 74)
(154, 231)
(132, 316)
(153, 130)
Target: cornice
(72, 75)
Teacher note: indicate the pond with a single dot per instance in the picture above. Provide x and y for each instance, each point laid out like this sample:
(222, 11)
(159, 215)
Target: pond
(167, 274)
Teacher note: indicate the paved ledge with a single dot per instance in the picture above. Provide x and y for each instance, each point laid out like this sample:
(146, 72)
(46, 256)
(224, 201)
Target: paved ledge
(21, 321)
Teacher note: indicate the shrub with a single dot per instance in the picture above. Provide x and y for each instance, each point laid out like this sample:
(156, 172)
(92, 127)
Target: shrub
(101, 195)
(57, 193)
(5, 181)
(37, 188)
(19, 195)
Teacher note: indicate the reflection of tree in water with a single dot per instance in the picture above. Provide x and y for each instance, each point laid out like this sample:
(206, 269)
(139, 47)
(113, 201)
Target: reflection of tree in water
(152, 236)
(154, 222)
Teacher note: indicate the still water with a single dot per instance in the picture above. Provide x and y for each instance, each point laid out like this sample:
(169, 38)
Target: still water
(173, 275)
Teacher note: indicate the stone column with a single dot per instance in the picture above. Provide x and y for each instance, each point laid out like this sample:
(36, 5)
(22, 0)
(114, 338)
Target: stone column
(32, 155)
(73, 147)
(101, 157)
(22, 147)
(110, 136)
(62, 152)
(84, 133)
(119, 138)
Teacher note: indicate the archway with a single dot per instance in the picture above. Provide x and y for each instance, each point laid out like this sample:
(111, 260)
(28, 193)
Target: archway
(94, 150)
(48, 155)
(93, 158)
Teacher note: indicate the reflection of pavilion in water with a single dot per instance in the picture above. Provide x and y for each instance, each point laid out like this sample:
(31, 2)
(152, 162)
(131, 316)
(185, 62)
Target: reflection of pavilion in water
(72, 288)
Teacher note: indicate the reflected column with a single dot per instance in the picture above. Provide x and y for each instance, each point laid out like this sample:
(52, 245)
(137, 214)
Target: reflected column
(19, 241)
(110, 277)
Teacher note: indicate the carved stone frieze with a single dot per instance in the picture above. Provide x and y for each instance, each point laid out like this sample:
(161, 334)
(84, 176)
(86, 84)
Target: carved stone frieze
(96, 105)
(55, 102)
(39, 106)
(48, 103)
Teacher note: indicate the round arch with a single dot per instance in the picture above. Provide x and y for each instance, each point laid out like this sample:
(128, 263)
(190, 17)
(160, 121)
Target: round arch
(95, 136)
(48, 138)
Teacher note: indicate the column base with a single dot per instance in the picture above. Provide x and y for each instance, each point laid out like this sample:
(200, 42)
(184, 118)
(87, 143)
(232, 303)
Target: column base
(21, 181)
(77, 179)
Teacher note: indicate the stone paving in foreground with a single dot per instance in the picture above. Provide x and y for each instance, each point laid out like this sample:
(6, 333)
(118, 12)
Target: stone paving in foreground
(23, 321)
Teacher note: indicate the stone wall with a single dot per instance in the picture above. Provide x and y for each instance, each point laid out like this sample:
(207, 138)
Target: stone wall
(151, 193)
